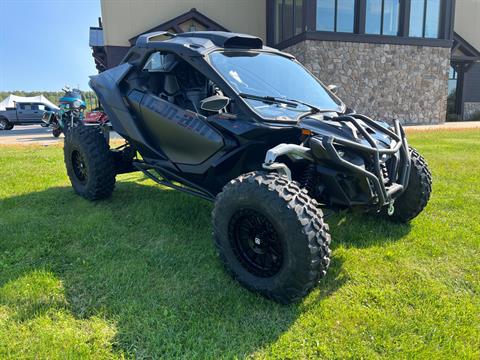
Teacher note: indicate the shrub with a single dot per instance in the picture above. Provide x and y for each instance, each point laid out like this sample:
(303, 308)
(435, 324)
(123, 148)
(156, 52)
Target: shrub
(475, 116)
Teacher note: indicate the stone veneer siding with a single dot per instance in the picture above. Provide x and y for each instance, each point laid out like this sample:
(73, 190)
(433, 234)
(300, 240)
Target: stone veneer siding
(382, 81)
(470, 109)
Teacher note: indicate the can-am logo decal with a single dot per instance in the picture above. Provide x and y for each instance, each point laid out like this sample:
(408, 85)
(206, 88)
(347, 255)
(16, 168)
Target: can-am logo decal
(186, 119)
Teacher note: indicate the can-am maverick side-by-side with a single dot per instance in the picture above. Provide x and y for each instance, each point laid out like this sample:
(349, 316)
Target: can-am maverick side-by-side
(221, 116)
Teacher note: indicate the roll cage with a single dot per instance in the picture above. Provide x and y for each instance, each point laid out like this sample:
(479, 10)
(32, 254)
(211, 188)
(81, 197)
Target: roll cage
(195, 48)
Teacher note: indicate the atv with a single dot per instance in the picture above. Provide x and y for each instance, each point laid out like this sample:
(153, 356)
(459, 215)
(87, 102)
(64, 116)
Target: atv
(220, 116)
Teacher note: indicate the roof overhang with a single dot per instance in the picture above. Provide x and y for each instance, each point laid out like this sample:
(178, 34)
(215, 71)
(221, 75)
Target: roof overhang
(463, 51)
(175, 25)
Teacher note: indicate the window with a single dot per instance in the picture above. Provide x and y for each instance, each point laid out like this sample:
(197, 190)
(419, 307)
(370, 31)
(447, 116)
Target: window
(381, 17)
(337, 19)
(26, 106)
(288, 19)
(278, 21)
(298, 16)
(158, 62)
(452, 81)
(335, 15)
(424, 18)
(256, 74)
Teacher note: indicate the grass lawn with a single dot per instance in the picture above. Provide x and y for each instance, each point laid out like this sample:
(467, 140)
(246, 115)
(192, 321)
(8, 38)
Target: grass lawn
(138, 276)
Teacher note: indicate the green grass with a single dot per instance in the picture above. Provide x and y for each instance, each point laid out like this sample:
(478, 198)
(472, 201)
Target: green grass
(138, 276)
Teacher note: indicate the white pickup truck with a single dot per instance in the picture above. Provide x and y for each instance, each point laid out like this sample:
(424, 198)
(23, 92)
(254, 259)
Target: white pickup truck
(22, 113)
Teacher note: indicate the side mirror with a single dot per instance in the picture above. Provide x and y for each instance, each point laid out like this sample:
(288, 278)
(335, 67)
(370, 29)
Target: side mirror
(214, 103)
(333, 88)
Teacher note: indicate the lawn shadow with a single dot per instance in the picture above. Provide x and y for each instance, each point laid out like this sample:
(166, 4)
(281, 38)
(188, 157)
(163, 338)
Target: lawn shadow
(364, 230)
(145, 259)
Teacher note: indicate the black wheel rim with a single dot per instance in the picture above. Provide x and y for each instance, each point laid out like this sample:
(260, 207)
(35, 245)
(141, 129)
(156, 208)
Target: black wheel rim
(3, 125)
(79, 166)
(256, 243)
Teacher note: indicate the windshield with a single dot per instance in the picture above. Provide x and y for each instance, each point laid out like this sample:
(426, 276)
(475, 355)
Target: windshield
(266, 74)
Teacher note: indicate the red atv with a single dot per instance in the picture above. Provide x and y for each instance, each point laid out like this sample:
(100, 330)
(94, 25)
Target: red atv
(95, 117)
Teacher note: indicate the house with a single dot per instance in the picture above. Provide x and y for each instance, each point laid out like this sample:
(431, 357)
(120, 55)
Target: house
(389, 58)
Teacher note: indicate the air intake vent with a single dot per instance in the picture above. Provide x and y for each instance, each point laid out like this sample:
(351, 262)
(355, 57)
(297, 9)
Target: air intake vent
(243, 42)
(226, 39)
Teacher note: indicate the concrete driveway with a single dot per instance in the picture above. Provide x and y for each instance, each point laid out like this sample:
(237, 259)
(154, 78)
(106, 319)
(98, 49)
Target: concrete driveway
(29, 135)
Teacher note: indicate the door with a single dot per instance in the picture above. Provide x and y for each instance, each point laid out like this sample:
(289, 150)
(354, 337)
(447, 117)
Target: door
(184, 136)
(38, 111)
(26, 113)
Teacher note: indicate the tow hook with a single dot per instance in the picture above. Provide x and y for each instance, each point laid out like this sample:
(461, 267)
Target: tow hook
(391, 208)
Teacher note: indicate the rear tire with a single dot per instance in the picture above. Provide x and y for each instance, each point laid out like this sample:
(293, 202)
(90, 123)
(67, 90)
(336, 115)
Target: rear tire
(411, 203)
(89, 162)
(271, 236)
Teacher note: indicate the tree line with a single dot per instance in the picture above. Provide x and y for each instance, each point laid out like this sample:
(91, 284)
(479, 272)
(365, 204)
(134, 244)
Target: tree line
(53, 96)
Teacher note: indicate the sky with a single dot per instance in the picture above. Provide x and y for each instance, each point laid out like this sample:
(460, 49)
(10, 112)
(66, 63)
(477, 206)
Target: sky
(44, 44)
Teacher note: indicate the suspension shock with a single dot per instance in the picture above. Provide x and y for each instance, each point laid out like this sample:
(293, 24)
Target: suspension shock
(307, 179)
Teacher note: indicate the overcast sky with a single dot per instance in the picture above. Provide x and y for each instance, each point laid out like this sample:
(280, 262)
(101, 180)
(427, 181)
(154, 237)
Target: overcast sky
(44, 43)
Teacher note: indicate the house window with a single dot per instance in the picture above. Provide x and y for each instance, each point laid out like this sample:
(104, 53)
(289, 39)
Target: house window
(452, 80)
(288, 19)
(298, 16)
(335, 15)
(424, 18)
(393, 18)
(381, 17)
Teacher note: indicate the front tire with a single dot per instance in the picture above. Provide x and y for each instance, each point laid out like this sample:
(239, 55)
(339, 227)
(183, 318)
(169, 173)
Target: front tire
(56, 132)
(271, 236)
(5, 124)
(411, 203)
(89, 162)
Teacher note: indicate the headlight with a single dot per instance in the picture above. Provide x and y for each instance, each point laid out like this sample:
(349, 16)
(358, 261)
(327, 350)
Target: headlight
(76, 104)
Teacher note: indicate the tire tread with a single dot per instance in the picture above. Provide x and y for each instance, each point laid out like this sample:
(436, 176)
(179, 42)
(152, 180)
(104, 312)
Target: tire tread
(92, 143)
(310, 218)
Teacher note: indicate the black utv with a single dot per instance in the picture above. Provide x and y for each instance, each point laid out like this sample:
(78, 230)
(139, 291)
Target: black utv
(220, 116)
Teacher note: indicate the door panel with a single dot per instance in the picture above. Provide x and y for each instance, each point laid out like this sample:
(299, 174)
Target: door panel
(184, 136)
(25, 113)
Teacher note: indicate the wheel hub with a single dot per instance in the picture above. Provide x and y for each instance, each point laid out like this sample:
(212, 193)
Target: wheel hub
(256, 243)
(79, 166)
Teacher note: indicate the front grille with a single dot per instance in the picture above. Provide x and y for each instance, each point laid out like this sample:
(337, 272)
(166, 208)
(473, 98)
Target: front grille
(384, 169)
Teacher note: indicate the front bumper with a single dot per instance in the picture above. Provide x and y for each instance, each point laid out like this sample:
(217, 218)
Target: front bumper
(383, 192)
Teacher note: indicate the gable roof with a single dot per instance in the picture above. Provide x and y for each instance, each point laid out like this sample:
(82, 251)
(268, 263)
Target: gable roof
(462, 50)
(192, 14)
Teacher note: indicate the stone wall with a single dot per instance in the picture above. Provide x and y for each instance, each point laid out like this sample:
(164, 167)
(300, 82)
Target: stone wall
(382, 81)
(470, 109)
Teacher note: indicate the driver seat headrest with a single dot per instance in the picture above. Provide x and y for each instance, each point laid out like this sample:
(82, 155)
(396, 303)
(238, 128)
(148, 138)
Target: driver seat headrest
(170, 84)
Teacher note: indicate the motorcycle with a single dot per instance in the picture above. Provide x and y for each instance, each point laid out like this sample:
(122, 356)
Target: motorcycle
(72, 107)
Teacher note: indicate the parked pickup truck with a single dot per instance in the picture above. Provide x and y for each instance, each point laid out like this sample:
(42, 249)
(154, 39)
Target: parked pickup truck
(22, 113)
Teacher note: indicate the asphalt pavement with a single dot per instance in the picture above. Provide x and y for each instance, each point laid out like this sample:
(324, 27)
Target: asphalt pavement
(29, 135)
(32, 135)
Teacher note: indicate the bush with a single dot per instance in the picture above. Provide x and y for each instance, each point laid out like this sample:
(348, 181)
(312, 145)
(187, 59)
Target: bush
(475, 116)
(451, 103)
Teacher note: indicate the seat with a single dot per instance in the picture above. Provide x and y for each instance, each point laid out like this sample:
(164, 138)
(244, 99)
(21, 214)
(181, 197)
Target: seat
(170, 85)
(169, 89)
